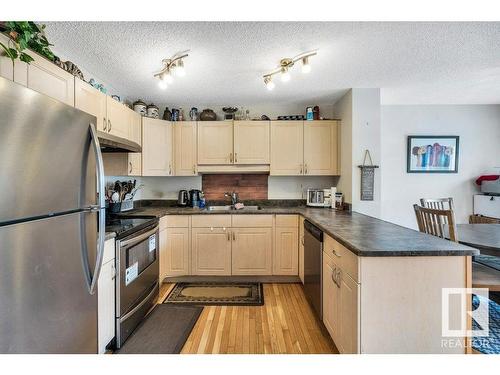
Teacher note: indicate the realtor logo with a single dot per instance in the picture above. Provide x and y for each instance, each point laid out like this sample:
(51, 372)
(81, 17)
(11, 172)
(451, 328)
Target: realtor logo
(460, 300)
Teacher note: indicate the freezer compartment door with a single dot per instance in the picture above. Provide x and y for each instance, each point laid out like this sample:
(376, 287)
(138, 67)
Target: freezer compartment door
(45, 304)
(46, 157)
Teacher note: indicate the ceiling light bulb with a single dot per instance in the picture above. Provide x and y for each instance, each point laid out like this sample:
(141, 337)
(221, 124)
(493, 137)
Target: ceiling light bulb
(162, 84)
(269, 83)
(167, 77)
(285, 76)
(306, 67)
(179, 69)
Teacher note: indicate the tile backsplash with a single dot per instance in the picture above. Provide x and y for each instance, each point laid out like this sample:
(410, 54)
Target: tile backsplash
(248, 186)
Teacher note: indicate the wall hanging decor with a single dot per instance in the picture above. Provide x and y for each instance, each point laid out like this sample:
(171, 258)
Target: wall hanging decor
(432, 154)
(367, 178)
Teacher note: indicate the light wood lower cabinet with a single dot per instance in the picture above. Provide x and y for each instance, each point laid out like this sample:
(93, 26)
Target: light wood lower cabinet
(252, 251)
(301, 249)
(177, 252)
(331, 299)
(157, 152)
(211, 251)
(285, 259)
(185, 148)
(106, 297)
(348, 316)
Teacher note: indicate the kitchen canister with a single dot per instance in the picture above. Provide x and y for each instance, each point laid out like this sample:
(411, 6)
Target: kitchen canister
(140, 107)
(193, 114)
(152, 111)
(208, 115)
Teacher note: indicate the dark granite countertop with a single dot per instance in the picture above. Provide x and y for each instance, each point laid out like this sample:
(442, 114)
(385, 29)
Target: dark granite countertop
(363, 235)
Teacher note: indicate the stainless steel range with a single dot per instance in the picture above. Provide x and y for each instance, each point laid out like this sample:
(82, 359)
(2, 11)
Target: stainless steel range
(137, 265)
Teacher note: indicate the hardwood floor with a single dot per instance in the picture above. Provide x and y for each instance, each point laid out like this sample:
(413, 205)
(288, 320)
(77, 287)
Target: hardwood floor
(284, 324)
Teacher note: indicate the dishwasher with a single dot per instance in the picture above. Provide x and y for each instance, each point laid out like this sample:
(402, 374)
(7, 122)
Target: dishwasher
(313, 251)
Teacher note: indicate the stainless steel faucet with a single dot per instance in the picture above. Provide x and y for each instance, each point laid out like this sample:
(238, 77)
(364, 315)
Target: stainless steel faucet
(234, 197)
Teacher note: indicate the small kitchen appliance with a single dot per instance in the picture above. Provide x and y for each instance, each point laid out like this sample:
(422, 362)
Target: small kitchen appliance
(183, 199)
(194, 197)
(319, 197)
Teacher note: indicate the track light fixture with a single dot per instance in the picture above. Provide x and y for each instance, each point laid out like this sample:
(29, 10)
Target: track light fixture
(284, 68)
(174, 65)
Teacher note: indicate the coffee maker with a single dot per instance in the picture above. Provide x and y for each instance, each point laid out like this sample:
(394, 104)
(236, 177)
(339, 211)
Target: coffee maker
(183, 198)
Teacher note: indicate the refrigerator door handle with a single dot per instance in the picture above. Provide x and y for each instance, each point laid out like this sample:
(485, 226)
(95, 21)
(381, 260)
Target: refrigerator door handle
(101, 207)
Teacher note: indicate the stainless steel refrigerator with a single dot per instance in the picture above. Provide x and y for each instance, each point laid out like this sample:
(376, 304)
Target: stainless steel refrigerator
(51, 224)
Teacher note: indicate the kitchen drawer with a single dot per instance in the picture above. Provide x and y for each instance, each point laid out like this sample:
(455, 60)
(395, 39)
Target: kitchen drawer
(109, 250)
(486, 205)
(287, 220)
(252, 221)
(208, 221)
(175, 221)
(346, 259)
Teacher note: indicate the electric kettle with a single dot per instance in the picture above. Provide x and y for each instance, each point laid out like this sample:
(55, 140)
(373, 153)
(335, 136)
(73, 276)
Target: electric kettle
(183, 198)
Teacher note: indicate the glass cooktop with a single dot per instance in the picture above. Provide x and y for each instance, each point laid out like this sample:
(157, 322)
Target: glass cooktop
(124, 226)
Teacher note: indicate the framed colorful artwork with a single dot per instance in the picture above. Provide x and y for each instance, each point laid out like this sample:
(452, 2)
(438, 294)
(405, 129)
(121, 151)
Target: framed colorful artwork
(432, 154)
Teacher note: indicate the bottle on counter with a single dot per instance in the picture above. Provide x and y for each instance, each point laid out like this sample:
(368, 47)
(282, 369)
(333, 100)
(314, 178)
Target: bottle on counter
(202, 202)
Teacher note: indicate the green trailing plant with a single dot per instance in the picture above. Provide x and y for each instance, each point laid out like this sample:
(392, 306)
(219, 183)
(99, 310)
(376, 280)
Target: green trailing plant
(24, 35)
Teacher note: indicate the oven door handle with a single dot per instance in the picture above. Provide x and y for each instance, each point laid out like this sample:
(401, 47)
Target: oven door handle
(138, 239)
(134, 310)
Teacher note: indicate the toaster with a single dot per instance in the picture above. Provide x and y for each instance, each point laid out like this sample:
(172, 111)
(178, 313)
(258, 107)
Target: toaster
(319, 197)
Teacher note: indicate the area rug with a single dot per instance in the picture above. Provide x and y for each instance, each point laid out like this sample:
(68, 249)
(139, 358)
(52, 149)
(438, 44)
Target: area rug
(164, 331)
(204, 293)
(491, 343)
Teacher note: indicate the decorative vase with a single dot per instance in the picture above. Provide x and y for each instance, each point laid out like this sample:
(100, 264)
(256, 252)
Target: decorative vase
(152, 111)
(208, 115)
(140, 107)
(167, 115)
(193, 114)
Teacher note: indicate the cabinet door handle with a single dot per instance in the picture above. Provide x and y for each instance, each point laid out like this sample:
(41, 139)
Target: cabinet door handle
(130, 167)
(231, 157)
(228, 236)
(302, 240)
(334, 279)
(109, 125)
(305, 168)
(235, 157)
(335, 253)
(234, 236)
(194, 169)
(105, 125)
(339, 276)
(170, 169)
(301, 169)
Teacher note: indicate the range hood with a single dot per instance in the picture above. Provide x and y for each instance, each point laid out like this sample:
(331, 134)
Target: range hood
(112, 143)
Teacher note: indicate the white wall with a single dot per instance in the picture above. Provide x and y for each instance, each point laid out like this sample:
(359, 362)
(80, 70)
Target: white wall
(278, 187)
(479, 129)
(359, 111)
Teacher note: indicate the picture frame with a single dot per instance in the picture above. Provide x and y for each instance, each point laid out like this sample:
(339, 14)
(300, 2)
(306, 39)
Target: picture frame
(432, 154)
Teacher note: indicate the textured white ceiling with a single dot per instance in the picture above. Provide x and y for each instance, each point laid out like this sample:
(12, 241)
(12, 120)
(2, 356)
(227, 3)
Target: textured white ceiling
(413, 63)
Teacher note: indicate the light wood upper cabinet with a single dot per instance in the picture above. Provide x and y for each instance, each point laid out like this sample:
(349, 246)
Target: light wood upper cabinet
(134, 164)
(211, 251)
(185, 148)
(252, 251)
(215, 142)
(6, 64)
(287, 148)
(47, 78)
(118, 118)
(135, 126)
(321, 148)
(251, 142)
(157, 153)
(92, 101)
(285, 260)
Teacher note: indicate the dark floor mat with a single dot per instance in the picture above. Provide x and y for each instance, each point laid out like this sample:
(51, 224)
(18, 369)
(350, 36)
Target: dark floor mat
(164, 331)
(217, 293)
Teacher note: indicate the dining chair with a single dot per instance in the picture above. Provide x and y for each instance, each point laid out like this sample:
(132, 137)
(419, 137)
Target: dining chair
(478, 219)
(440, 223)
(438, 203)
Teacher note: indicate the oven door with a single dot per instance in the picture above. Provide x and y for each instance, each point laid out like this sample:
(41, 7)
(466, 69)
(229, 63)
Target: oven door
(138, 271)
